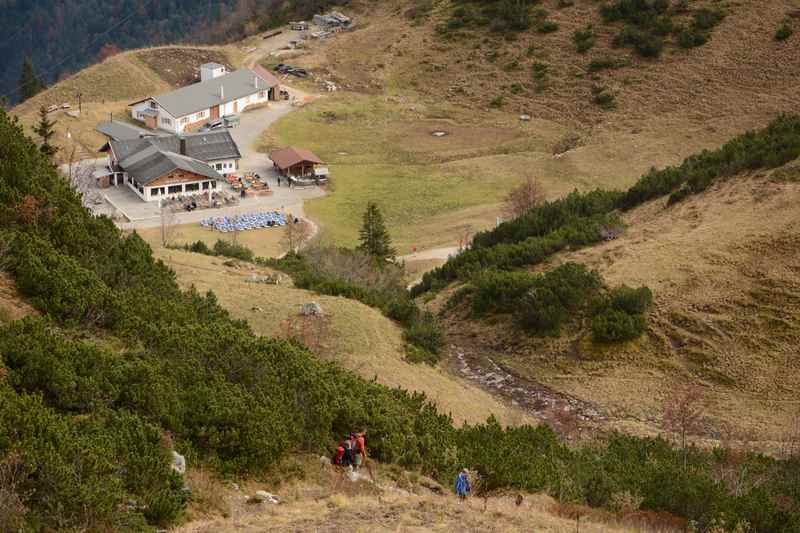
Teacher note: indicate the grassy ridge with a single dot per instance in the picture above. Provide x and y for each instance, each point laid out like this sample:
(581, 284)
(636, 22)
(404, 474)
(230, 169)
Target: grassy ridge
(586, 218)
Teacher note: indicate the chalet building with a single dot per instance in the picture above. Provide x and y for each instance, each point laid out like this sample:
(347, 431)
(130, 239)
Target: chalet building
(218, 93)
(298, 163)
(161, 166)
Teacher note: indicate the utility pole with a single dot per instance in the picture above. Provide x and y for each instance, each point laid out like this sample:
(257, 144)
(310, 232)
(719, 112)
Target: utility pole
(80, 107)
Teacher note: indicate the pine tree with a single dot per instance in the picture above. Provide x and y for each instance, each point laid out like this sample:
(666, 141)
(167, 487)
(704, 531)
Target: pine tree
(44, 129)
(29, 84)
(374, 238)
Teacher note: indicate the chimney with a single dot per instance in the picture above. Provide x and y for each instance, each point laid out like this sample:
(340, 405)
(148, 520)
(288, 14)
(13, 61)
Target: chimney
(221, 92)
(182, 146)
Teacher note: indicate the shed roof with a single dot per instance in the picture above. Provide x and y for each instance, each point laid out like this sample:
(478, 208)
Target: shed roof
(288, 157)
(205, 94)
(212, 65)
(120, 131)
(266, 75)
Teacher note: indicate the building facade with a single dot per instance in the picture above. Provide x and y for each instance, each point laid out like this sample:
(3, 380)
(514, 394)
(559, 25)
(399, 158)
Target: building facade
(218, 94)
(163, 166)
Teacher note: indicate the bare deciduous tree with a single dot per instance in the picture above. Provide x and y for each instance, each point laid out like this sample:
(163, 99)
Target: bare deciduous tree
(295, 234)
(683, 413)
(523, 198)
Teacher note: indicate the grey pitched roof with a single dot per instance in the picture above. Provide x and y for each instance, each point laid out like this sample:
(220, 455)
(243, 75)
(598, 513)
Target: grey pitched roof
(151, 163)
(206, 146)
(205, 94)
(211, 65)
(120, 131)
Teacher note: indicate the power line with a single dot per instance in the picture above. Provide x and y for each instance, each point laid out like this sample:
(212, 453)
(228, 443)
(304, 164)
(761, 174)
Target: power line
(13, 36)
(91, 43)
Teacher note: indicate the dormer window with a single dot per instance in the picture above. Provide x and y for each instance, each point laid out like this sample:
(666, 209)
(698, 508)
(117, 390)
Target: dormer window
(153, 104)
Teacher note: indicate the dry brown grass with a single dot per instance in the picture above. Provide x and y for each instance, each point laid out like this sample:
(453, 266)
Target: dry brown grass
(361, 339)
(263, 242)
(12, 306)
(324, 501)
(723, 267)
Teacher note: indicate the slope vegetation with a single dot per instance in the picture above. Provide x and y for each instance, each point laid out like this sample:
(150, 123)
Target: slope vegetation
(401, 80)
(715, 239)
(357, 337)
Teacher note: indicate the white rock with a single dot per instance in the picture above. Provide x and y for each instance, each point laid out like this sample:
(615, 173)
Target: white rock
(525, 117)
(311, 309)
(264, 496)
(178, 462)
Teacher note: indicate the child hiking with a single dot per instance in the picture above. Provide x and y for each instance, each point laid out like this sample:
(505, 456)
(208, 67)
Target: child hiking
(462, 485)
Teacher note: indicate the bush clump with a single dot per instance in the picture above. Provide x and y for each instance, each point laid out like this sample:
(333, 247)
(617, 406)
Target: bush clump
(553, 296)
(498, 292)
(620, 315)
(603, 97)
(783, 32)
(649, 23)
(583, 39)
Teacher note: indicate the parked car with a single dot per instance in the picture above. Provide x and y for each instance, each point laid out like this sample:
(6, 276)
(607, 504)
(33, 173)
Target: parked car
(212, 125)
(231, 121)
(299, 72)
(284, 94)
(279, 67)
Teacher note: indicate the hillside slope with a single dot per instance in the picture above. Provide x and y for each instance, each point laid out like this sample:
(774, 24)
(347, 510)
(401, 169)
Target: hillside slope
(400, 80)
(107, 88)
(723, 267)
(357, 337)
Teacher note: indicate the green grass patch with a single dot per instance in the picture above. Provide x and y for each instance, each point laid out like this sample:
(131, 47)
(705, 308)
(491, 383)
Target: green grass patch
(375, 153)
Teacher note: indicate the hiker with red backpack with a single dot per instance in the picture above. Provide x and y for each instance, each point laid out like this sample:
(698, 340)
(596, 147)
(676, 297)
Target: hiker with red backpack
(338, 455)
(360, 449)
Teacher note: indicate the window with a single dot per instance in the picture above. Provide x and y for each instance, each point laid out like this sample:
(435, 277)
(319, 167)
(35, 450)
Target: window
(166, 121)
(185, 120)
(153, 104)
(174, 189)
(218, 166)
(206, 185)
(213, 184)
(192, 187)
(201, 114)
(154, 192)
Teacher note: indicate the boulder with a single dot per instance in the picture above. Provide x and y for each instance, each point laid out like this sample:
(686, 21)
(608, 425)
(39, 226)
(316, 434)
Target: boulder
(178, 462)
(311, 309)
(262, 496)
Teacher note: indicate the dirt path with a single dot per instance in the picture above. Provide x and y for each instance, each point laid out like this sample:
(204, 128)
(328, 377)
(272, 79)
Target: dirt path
(434, 253)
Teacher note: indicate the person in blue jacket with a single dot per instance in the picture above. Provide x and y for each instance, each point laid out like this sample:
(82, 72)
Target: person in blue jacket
(462, 484)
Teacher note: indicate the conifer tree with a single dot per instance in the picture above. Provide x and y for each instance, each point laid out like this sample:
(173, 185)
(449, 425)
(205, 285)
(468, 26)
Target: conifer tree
(375, 240)
(29, 84)
(44, 129)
